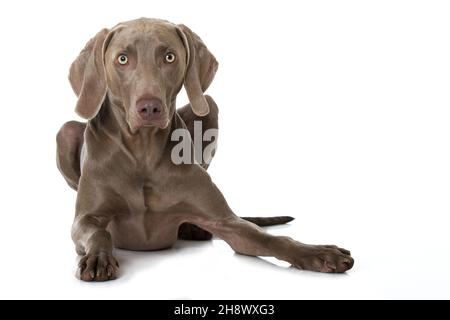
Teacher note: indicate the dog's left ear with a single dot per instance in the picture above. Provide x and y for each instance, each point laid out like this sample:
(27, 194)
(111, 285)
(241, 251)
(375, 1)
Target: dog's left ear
(201, 68)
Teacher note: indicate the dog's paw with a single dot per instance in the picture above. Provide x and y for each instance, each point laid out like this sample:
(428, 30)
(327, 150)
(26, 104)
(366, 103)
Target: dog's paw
(323, 258)
(98, 267)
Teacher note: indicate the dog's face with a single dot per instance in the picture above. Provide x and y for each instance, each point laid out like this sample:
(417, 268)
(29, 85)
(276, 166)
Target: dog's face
(145, 66)
(141, 65)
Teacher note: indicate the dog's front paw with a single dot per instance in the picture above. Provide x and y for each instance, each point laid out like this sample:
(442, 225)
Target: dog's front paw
(98, 267)
(326, 258)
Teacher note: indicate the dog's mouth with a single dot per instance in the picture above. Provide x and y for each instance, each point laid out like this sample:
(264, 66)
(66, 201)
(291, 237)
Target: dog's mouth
(137, 124)
(161, 124)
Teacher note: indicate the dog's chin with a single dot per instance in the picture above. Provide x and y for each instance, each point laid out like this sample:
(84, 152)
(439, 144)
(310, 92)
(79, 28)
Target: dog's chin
(135, 126)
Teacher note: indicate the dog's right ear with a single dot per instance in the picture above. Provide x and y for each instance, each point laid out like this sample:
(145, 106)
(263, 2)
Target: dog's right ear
(87, 76)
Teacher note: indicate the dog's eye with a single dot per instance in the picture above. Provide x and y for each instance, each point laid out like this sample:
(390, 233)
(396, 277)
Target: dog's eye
(122, 59)
(170, 57)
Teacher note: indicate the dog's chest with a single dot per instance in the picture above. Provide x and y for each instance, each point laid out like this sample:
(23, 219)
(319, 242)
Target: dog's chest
(151, 225)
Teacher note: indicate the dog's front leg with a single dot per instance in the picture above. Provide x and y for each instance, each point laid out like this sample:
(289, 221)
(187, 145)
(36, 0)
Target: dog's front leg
(215, 216)
(93, 241)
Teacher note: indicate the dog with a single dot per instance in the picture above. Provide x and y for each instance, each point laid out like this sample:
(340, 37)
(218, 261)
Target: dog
(130, 192)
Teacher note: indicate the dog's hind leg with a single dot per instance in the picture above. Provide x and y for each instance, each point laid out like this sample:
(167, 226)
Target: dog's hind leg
(189, 231)
(210, 121)
(69, 141)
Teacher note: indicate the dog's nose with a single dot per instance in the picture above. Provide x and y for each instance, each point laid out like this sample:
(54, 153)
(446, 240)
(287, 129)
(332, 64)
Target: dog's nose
(149, 109)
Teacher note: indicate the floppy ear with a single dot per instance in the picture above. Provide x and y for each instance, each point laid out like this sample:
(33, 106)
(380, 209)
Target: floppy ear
(87, 76)
(201, 68)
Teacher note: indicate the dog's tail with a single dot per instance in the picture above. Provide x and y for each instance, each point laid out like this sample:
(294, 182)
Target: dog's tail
(269, 221)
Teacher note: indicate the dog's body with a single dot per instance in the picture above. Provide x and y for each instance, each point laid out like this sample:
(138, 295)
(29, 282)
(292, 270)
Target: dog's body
(131, 195)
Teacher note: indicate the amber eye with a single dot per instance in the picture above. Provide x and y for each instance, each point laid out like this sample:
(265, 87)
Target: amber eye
(122, 59)
(170, 57)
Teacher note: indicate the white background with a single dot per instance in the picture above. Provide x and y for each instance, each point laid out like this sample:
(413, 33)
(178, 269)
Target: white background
(335, 112)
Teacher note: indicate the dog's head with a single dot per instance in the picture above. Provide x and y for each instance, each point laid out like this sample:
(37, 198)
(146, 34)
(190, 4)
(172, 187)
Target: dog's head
(141, 65)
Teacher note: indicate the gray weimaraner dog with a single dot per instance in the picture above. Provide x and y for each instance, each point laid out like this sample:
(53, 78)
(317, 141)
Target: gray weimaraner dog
(131, 194)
